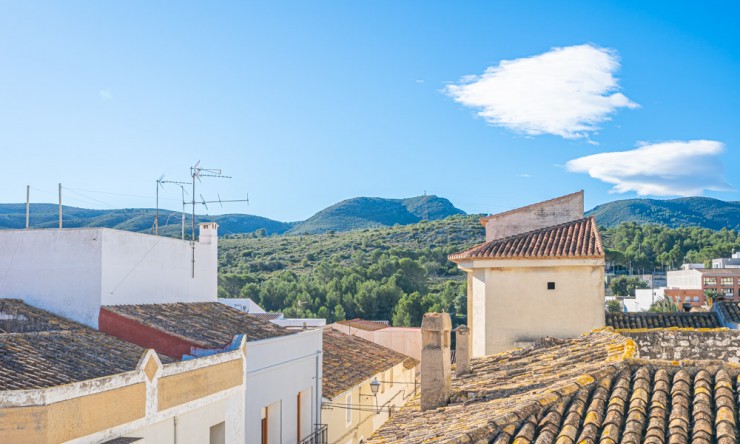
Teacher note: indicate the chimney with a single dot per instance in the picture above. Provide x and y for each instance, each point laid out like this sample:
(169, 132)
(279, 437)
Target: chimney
(462, 350)
(435, 360)
(208, 233)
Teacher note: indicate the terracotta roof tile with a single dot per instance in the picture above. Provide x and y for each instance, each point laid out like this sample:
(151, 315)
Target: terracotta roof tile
(730, 310)
(363, 324)
(585, 390)
(39, 350)
(348, 360)
(211, 324)
(576, 239)
(626, 321)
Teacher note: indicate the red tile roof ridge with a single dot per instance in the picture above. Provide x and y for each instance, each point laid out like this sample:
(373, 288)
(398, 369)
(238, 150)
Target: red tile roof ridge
(485, 219)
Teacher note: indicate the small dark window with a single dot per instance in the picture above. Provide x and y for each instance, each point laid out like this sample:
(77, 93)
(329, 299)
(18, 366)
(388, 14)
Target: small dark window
(551, 285)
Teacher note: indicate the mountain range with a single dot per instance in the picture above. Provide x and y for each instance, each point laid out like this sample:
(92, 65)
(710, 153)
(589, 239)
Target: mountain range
(350, 214)
(369, 212)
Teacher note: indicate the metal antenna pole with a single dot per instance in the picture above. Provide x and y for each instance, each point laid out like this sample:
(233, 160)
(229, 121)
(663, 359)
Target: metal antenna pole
(60, 205)
(156, 214)
(28, 206)
(182, 223)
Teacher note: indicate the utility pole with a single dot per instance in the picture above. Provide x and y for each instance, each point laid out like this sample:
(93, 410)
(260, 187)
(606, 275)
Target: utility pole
(28, 206)
(60, 205)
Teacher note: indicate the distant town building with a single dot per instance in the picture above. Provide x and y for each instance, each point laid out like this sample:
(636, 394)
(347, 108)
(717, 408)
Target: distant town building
(539, 273)
(729, 262)
(690, 285)
(248, 306)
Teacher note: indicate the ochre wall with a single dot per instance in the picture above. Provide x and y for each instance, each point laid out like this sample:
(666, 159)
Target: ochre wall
(188, 386)
(73, 418)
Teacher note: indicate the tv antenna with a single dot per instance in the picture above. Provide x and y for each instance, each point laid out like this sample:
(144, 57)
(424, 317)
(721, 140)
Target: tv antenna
(160, 183)
(196, 172)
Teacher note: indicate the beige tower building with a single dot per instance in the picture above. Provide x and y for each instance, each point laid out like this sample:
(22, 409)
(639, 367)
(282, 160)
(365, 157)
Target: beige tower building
(539, 273)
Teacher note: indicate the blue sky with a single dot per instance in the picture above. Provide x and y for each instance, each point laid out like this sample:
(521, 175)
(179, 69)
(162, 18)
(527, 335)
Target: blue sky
(308, 103)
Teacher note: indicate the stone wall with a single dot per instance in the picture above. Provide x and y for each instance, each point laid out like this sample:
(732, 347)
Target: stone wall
(676, 345)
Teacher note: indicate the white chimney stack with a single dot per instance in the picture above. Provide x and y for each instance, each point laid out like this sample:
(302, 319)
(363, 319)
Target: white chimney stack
(208, 233)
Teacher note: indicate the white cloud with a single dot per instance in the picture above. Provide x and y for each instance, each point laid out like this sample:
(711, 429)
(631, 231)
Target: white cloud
(524, 175)
(565, 91)
(678, 168)
(105, 94)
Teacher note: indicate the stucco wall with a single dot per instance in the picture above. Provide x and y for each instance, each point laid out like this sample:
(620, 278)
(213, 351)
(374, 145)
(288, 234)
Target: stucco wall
(686, 279)
(676, 345)
(365, 419)
(139, 268)
(73, 271)
(533, 217)
(277, 370)
(56, 270)
(513, 307)
(406, 340)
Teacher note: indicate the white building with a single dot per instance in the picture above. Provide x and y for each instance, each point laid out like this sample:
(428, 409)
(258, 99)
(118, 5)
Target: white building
(113, 280)
(74, 271)
(644, 298)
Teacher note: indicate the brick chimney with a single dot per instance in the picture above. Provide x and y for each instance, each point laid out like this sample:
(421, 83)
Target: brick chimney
(435, 360)
(462, 350)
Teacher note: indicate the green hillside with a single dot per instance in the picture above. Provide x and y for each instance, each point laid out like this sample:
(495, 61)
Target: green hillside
(373, 212)
(688, 211)
(131, 219)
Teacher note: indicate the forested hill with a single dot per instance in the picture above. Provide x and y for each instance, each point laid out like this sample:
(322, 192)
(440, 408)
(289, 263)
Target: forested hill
(351, 214)
(373, 212)
(688, 211)
(131, 219)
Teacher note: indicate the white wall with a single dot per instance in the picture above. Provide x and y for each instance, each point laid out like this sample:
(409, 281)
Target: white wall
(684, 279)
(277, 370)
(139, 268)
(56, 270)
(644, 298)
(73, 271)
(513, 307)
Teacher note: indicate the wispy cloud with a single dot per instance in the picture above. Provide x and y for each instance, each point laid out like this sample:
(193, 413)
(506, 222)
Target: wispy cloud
(105, 94)
(565, 91)
(678, 168)
(524, 175)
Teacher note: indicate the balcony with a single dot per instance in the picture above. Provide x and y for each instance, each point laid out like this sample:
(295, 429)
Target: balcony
(319, 436)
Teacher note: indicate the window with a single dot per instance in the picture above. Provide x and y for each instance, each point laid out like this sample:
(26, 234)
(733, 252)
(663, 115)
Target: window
(551, 285)
(710, 281)
(264, 425)
(348, 409)
(391, 380)
(729, 291)
(727, 281)
(687, 299)
(382, 383)
(218, 433)
(696, 298)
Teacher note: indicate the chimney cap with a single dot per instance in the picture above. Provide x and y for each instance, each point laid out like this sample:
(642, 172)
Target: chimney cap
(462, 329)
(436, 322)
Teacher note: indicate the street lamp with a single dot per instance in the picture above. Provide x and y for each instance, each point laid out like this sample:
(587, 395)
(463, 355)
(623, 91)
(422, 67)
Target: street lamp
(374, 386)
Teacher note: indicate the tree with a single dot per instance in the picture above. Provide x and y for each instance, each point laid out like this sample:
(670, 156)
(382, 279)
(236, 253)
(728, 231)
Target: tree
(663, 305)
(712, 295)
(339, 314)
(625, 286)
(613, 306)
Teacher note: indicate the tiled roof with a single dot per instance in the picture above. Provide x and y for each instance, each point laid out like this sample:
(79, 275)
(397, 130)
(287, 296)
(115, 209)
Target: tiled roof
(39, 350)
(622, 321)
(505, 389)
(363, 324)
(211, 324)
(730, 310)
(348, 360)
(586, 390)
(576, 239)
(267, 316)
